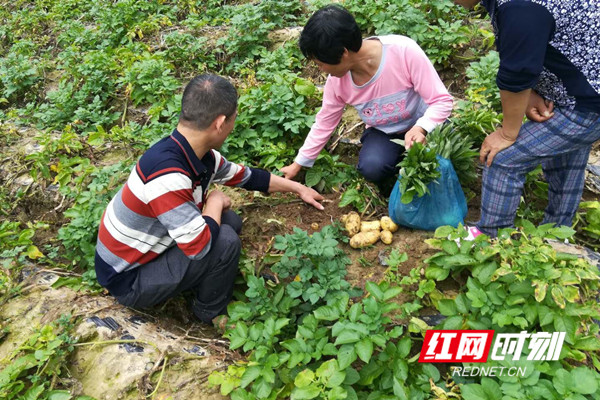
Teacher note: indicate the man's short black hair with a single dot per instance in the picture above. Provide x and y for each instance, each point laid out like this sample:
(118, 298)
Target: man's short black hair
(328, 32)
(205, 98)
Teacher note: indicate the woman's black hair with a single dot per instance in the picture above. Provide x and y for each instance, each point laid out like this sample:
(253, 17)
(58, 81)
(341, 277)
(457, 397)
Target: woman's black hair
(328, 32)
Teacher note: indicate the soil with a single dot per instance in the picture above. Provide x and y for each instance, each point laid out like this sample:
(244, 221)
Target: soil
(263, 221)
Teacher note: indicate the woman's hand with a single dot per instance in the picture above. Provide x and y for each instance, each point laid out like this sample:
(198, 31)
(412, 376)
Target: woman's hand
(414, 134)
(291, 170)
(494, 143)
(539, 109)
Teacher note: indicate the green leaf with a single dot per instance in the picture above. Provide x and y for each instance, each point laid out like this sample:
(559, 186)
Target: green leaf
(349, 197)
(327, 313)
(33, 392)
(565, 324)
(407, 197)
(59, 395)
(391, 293)
(250, 374)
(305, 393)
(238, 336)
(540, 290)
(327, 369)
(374, 289)
(238, 394)
(461, 304)
(473, 391)
(364, 349)
(304, 87)
(400, 370)
(304, 378)
(453, 323)
(431, 372)
(562, 232)
(313, 176)
(457, 260)
(450, 247)
(586, 380)
(563, 382)
(346, 356)
(262, 388)
(336, 379)
(447, 307)
(14, 369)
(355, 312)
(571, 293)
(444, 231)
(96, 138)
(352, 376)
(436, 273)
(34, 253)
(400, 390)
(557, 296)
(484, 272)
(591, 343)
(337, 393)
(350, 393)
(404, 346)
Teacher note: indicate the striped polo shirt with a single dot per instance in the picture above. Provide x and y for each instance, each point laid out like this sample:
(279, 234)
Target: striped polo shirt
(160, 206)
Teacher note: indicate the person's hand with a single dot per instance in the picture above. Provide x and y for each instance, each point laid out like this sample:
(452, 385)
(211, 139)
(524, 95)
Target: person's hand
(494, 143)
(310, 196)
(538, 108)
(414, 134)
(291, 170)
(220, 198)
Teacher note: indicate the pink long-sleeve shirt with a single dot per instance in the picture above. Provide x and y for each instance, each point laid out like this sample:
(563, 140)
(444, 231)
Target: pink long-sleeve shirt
(405, 91)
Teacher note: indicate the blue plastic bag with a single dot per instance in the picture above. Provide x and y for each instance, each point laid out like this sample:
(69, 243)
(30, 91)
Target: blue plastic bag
(444, 205)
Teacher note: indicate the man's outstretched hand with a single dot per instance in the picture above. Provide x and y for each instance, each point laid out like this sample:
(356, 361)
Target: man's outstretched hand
(308, 195)
(311, 196)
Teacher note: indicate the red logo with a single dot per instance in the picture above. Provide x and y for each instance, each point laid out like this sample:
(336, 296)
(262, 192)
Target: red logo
(456, 346)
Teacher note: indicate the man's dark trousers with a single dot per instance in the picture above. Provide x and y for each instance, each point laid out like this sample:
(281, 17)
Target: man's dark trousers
(210, 278)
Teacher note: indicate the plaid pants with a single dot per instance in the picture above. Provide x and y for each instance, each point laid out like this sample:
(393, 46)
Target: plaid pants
(562, 145)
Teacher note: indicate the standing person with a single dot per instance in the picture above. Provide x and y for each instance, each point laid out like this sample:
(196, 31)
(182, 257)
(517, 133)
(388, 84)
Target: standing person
(550, 72)
(163, 233)
(388, 79)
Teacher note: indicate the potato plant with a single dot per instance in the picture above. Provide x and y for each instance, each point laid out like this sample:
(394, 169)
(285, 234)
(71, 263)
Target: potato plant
(520, 283)
(315, 337)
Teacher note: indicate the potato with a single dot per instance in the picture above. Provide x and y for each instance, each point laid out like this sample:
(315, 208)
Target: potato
(353, 223)
(363, 239)
(386, 237)
(366, 226)
(388, 225)
(344, 218)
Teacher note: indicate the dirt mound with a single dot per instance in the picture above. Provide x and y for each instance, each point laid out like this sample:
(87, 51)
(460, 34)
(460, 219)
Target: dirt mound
(121, 353)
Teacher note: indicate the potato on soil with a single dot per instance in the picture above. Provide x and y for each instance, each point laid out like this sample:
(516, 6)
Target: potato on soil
(353, 223)
(343, 219)
(386, 237)
(364, 239)
(366, 226)
(387, 224)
